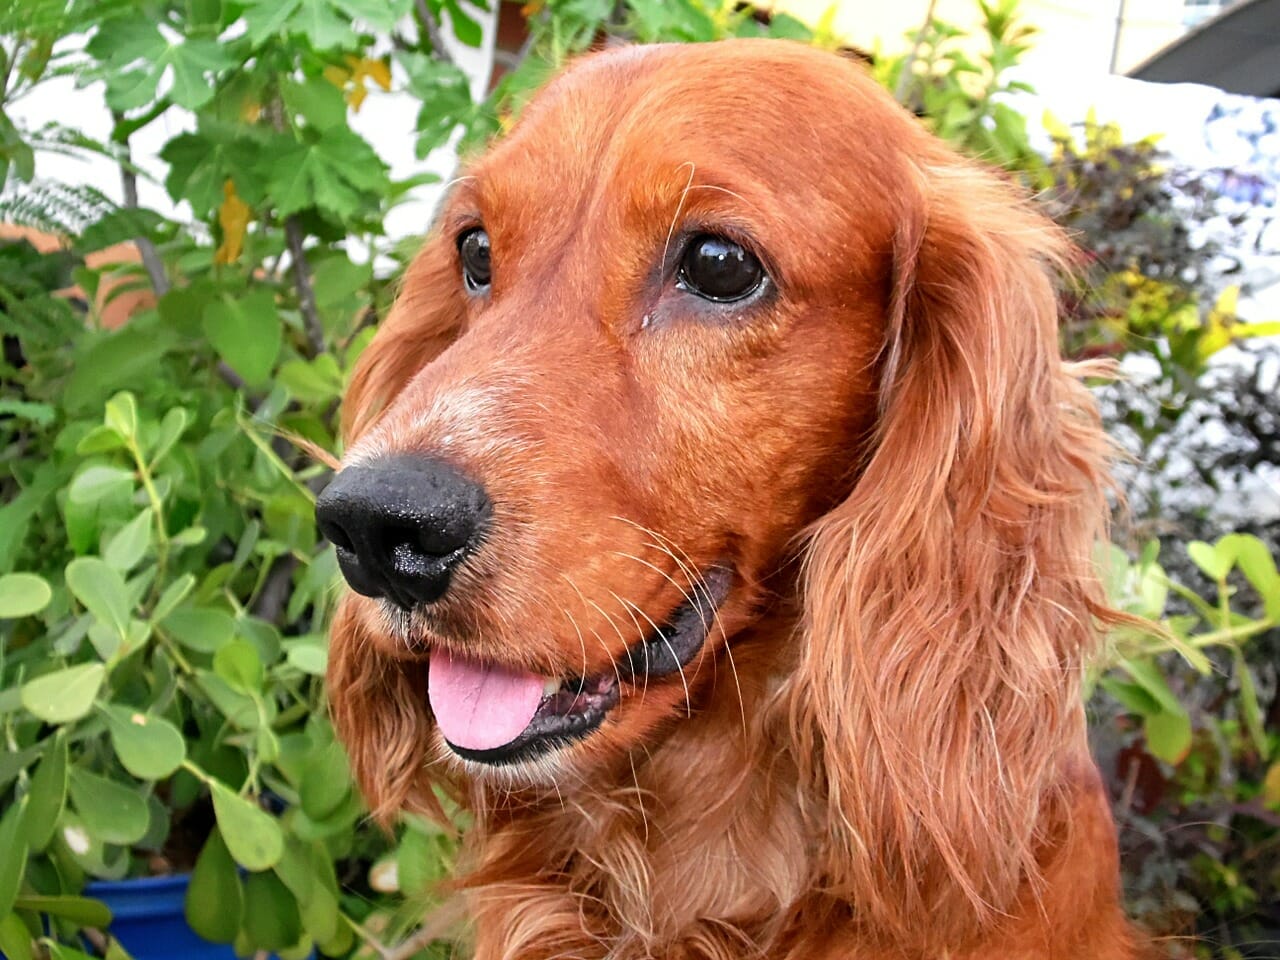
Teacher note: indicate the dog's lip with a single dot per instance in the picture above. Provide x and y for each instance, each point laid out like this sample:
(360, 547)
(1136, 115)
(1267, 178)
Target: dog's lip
(580, 704)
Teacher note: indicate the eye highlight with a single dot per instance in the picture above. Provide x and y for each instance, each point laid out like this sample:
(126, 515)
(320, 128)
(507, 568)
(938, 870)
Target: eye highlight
(716, 268)
(473, 251)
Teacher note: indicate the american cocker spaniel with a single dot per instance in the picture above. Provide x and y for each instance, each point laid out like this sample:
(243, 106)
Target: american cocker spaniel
(718, 515)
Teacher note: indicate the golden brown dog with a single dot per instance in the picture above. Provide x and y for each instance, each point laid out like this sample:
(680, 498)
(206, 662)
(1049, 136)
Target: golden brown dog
(720, 516)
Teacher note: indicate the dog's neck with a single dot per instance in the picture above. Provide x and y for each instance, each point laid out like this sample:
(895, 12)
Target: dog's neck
(642, 864)
(644, 856)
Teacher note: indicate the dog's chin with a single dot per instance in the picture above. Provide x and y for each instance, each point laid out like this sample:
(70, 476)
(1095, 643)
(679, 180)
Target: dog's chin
(541, 726)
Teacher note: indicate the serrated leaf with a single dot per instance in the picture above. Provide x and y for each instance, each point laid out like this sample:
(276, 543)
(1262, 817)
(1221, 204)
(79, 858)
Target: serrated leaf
(247, 333)
(102, 591)
(214, 903)
(151, 748)
(110, 811)
(23, 594)
(48, 794)
(339, 173)
(252, 836)
(64, 695)
(319, 101)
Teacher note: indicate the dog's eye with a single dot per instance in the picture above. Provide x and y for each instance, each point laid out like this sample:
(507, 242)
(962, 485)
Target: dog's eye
(716, 268)
(473, 248)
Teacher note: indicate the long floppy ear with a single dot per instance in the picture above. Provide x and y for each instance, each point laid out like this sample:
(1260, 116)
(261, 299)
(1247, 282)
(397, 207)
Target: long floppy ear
(950, 601)
(378, 707)
(425, 319)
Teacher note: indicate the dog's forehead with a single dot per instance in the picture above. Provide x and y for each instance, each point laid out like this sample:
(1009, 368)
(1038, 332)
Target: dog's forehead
(764, 120)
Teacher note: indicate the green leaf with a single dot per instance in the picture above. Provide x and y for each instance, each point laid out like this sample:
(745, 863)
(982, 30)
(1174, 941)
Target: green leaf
(271, 918)
(48, 794)
(325, 781)
(339, 173)
(214, 902)
(252, 836)
(173, 595)
(111, 812)
(238, 664)
(310, 658)
(100, 439)
(192, 61)
(175, 422)
(316, 99)
(100, 482)
(203, 629)
(1209, 559)
(247, 333)
(1131, 696)
(82, 911)
(130, 543)
(199, 165)
(102, 591)
(122, 414)
(13, 854)
(151, 748)
(1249, 707)
(15, 938)
(23, 594)
(317, 902)
(1168, 735)
(240, 709)
(1148, 676)
(64, 695)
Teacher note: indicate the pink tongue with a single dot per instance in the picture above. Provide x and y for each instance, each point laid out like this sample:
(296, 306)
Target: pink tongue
(480, 706)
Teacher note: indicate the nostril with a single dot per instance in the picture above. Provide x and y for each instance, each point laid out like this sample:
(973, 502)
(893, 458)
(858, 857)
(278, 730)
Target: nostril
(337, 536)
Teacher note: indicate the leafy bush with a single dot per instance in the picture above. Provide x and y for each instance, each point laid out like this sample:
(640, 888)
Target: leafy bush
(163, 594)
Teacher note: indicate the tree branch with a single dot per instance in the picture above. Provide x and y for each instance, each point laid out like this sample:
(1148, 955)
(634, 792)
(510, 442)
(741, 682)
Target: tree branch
(432, 26)
(302, 281)
(903, 87)
(147, 249)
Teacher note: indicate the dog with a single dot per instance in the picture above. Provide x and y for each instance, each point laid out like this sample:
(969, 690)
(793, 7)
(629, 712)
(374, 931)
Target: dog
(718, 514)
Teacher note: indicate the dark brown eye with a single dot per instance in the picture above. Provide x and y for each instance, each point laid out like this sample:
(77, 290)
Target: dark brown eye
(473, 249)
(715, 268)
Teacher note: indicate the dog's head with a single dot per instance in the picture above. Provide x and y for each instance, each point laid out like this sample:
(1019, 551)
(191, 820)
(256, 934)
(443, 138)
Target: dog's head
(719, 346)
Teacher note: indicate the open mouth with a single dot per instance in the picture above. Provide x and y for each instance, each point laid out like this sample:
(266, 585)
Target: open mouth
(493, 714)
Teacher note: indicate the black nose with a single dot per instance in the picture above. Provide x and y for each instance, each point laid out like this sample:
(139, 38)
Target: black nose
(401, 525)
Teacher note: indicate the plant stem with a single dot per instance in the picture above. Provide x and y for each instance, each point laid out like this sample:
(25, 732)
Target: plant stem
(302, 281)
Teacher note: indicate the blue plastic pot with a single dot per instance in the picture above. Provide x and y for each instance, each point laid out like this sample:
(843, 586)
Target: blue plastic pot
(148, 921)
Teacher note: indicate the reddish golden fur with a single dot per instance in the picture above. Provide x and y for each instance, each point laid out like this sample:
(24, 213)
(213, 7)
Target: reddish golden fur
(879, 753)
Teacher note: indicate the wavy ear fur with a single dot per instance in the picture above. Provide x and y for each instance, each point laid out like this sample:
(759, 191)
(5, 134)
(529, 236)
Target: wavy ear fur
(425, 319)
(376, 700)
(950, 601)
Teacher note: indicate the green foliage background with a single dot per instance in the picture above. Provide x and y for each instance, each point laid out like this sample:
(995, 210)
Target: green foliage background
(163, 595)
